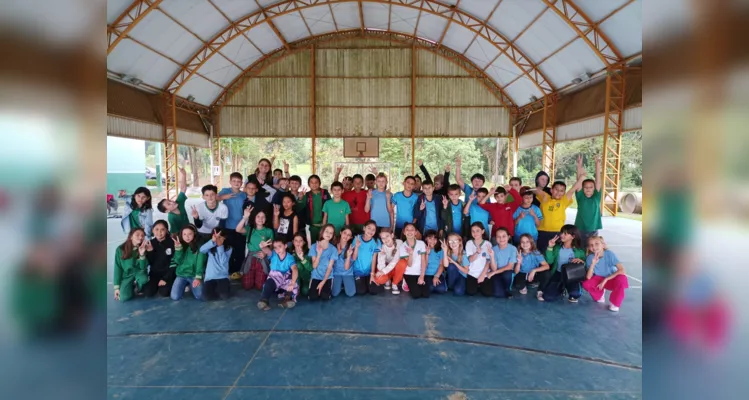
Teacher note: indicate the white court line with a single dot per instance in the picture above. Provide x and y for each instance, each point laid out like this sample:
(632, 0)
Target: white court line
(632, 277)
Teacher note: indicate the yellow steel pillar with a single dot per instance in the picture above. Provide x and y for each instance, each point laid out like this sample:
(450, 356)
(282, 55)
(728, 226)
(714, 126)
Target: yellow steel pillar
(612, 138)
(549, 130)
(413, 109)
(216, 151)
(313, 114)
(170, 144)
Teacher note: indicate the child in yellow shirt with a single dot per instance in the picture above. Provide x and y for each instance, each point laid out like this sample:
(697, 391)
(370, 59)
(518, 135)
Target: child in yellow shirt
(554, 209)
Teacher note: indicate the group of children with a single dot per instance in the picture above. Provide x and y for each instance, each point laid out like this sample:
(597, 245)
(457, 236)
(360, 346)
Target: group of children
(365, 239)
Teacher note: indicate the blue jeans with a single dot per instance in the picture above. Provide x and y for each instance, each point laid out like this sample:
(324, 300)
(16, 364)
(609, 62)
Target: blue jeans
(180, 283)
(345, 282)
(502, 284)
(441, 288)
(456, 281)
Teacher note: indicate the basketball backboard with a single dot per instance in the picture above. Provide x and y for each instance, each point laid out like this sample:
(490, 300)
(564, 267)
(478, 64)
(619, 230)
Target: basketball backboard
(358, 147)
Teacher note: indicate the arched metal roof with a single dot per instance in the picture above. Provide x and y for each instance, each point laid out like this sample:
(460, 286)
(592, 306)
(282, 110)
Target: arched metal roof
(528, 48)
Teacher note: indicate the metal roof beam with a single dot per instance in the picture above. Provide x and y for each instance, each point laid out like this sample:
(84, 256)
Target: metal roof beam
(125, 23)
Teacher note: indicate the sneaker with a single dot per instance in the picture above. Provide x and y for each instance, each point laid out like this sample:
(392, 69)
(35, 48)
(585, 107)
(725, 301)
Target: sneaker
(524, 291)
(287, 303)
(235, 276)
(613, 308)
(263, 305)
(395, 289)
(572, 300)
(405, 287)
(601, 300)
(388, 284)
(540, 295)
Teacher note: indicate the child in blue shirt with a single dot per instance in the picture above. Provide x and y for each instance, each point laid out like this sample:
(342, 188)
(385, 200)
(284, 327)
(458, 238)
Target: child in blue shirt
(404, 203)
(343, 271)
(505, 256)
(527, 218)
(324, 255)
(455, 260)
(282, 278)
(434, 274)
(379, 203)
(216, 279)
(605, 272)
(366, 247)
(531, 266)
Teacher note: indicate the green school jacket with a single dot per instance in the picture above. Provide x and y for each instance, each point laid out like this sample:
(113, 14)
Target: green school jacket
(553, 254)
(189, 264)
(130, 268)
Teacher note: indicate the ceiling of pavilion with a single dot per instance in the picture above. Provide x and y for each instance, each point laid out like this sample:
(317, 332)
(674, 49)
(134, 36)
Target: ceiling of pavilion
(528, 47)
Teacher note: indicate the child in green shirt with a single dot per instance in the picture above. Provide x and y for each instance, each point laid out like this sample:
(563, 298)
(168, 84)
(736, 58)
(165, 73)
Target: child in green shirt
(254, 269)
(177, 214)
(588, 219)
(303, 262)
(336, 212)
(316, 198)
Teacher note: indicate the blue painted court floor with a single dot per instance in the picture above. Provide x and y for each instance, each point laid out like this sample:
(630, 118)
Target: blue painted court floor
(380, 347)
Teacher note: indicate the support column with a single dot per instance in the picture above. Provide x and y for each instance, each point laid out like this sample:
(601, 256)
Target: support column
(157, 148)
(413, 109)
(549, 130)
(612, 138)
(313, 109)
(510, 145)
(216, 179)
(170, 144)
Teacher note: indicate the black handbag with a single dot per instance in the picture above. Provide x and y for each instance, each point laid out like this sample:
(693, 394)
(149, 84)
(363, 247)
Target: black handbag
(573, 272)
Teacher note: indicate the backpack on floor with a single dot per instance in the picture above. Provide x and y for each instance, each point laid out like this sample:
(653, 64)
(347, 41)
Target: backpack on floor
(573, 272)
(554, 289)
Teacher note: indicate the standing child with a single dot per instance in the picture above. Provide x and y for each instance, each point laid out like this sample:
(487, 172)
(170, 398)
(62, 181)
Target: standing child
(316, 199)
(282, 277)
(452, 212)
(531, 266)
(588, 219)
(515, 183)
(378, 203)
(217, 270)
(138, 212)
(527, 218)
(428, 209)
(189, 264)
(475, 212)
(233, 198)
(343, 271)
(456, 262)
(404, 203)
(300, 203)
(554, 207)
(209, 214)
(415, 253)
(285, 222)
(323, 255)
(483, 218)
(177, 214)
(570, 250)
(369, 181)
(160, 253)
(480, 256)
(130, 265)
(254, 267)
(303, 262)
(501, 212)
(505, 255)
(336, 212)
(357, 201)
(542, 182)
(440, 181)
(605, 272)
(281, 191)
(390, 268)
(434, 271)
(366, 247)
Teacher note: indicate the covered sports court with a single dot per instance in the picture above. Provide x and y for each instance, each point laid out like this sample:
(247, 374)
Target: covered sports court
(533, 72)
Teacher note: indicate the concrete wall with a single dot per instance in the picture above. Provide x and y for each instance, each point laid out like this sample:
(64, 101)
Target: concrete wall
(126, 164)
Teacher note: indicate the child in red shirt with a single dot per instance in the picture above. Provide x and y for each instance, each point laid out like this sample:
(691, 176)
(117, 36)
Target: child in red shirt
(501, 212)
(357, 200)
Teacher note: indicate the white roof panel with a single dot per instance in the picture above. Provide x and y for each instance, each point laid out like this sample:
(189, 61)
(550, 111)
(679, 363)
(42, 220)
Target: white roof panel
(546, 35)
(319, 19)
(503, 70)
(571, 62)
(241, 51)
(625, 29)
(166, 36)
(236, 9)
(481, 52)
(199, 16)
(219, 70)
(135, 60)
(458, 38)
(403, 19)
(597, 9)
(512, 16)
(346, 15)
(205, 92)
(478, 8)
(265, 3)
(264, 38)
(291, 27)
(115, 8)
(521, 91)
(376, 15)
(431, 26)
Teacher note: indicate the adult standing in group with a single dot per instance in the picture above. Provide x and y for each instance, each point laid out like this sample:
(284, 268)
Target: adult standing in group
(264, 177)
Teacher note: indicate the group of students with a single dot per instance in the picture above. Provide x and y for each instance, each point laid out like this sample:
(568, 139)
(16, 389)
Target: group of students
(365, 239)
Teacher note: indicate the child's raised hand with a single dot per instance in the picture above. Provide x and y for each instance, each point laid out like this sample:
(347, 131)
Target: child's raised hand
(350, 252)
(369, 194)
(489, 253)
(447, 167)
(149, 246)
(220, 240)
(276, 210)
(338, 169)
(409, 250)
(472, 197)
(285, 167)
(444, 245)
(444, 202)
(142, 248)
(520, 258)
(423, 205)
(458, 161)
(247, 211)
(195, 214)
(420, 163)
(532, 212)
(553, 241)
